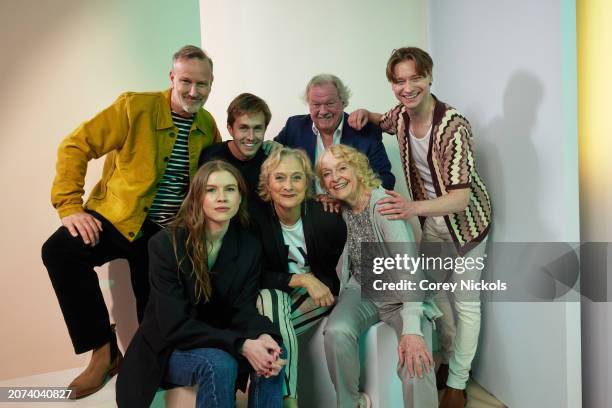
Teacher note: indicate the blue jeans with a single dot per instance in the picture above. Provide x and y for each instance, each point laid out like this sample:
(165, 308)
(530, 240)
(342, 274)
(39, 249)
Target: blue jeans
(214, 371)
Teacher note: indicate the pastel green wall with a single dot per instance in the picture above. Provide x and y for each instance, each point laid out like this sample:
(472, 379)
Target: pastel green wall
(63, 61)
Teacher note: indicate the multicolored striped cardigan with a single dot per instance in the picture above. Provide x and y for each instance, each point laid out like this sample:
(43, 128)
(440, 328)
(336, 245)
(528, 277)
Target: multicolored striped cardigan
(451, 163)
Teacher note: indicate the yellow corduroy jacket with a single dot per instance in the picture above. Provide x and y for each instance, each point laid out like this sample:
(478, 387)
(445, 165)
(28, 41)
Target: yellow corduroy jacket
(137, 135)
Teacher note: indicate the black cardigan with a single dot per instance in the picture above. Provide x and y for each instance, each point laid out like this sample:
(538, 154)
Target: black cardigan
(173, 320)
(325, 236)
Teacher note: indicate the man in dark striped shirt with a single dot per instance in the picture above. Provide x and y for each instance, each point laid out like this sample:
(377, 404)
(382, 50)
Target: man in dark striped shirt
(152, 142)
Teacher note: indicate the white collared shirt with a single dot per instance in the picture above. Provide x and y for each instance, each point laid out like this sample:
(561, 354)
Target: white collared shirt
(321, 147)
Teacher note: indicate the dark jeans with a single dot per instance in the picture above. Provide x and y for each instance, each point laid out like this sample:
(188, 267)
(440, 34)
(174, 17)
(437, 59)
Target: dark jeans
(70, 264)
(214, 371)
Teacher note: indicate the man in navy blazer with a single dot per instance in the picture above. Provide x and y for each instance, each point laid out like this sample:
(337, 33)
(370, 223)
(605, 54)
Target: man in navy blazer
(327, 124)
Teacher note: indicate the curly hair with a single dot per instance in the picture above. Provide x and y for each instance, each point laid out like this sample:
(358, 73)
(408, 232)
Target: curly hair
(272, 163)
(354, 158)
(192, 218)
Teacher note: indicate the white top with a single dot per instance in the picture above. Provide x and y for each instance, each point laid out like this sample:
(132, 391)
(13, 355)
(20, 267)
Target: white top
(419, 149)
(297, 258)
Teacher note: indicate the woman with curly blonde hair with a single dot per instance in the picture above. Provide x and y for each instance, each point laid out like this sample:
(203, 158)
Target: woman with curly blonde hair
(346, 175)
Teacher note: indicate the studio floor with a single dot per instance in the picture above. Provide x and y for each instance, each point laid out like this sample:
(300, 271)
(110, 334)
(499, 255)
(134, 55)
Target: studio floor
(478, 397)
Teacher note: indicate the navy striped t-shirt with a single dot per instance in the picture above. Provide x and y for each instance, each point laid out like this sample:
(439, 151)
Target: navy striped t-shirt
(175, 182)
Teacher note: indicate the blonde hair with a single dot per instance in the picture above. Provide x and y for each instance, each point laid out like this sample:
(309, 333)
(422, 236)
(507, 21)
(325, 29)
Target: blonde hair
(357, 160)
(272, 163)
(192, 218)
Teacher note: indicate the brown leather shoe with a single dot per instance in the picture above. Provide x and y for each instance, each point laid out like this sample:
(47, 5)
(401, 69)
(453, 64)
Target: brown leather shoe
(442, 376)
(104, 364)
(453, 398)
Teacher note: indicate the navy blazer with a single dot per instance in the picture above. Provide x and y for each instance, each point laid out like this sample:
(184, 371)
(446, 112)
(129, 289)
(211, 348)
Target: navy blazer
(173, 319)
(325, 236)
(297, 133)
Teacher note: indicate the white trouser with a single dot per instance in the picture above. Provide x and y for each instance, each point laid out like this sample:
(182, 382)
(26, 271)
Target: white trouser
(458, 330)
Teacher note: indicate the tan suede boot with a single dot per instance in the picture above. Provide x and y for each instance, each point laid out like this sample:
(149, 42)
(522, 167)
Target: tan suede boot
(104, 364)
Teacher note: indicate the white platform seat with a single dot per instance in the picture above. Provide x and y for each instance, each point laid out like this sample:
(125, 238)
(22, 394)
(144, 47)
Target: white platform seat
(378, 354)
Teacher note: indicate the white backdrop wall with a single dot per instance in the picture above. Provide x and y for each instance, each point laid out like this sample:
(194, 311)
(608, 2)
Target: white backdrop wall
(63, 61)
(510, 67)
(502, 64)
(272, 48)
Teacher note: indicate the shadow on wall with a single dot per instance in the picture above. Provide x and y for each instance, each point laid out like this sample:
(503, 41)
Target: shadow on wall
(507, 160)
(506, 152)
(122, 309)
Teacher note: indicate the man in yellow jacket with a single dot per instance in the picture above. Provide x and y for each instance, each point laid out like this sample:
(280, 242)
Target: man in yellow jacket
(152, 142)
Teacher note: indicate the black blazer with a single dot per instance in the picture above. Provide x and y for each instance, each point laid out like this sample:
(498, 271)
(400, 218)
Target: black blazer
(173, 320)
(325, 236)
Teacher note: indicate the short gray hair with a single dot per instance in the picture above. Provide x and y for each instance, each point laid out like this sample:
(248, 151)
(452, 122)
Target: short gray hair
(272, 162)
(344, 93)
(190, 52)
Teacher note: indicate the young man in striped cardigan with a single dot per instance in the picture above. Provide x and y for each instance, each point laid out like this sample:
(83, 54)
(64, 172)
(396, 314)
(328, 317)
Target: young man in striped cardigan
(448, 195)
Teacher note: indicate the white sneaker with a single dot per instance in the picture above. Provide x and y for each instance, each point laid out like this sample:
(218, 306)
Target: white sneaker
(364, 401)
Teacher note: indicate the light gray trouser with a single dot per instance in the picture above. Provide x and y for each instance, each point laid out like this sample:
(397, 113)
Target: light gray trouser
(351, 316)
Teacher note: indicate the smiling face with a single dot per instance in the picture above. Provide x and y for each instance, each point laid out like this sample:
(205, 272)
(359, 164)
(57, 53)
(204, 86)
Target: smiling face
(340, 179)
(248, 132)
(410, 88)
(221, 198)
(325, 107)
(287, 184)
(191, 81)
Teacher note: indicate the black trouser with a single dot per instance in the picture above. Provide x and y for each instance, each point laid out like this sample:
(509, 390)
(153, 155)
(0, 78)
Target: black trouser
(70, 264)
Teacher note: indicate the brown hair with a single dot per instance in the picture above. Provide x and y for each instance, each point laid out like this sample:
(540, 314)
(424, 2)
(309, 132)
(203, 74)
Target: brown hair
(247, 103)
(356, 160)
(191, 217)
(422, 61)
(274, 160)
(190, 52)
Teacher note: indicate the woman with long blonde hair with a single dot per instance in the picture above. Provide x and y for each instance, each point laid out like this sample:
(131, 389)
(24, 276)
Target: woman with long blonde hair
(201, 325)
